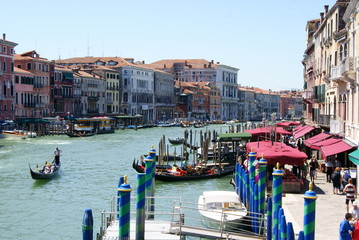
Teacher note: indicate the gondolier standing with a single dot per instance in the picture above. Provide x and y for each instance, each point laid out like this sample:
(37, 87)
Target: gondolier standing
(57, 156)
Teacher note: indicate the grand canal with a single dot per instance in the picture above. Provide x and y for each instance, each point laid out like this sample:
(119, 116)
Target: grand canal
(90, 171)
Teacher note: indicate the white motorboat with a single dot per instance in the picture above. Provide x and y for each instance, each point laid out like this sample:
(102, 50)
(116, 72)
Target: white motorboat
(221, 208)
(13, 134)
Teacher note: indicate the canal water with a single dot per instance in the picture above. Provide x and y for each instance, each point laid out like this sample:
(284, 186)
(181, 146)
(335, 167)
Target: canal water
(91, 168)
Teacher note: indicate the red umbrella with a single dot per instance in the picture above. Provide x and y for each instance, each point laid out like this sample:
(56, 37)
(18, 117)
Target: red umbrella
(266, 132)
(278, 152)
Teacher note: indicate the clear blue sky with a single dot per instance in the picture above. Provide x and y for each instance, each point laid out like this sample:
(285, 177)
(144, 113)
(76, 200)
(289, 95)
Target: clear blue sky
(264, 39)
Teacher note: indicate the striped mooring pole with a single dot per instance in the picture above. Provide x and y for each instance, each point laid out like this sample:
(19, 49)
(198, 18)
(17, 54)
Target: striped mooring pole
(252, 169)
(290, 231)
(277, 197)
(87, 225)
(269, 218)
(262, 183)
(140, 206)
(120, 182)
(149, 183)
(309, 213)
(301, 235)
(283, 228)
(125, 206)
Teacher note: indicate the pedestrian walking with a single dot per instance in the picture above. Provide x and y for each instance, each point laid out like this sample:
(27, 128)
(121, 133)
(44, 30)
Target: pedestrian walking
(312, 168)
(336, 178)
(350, 193)
(329, 170)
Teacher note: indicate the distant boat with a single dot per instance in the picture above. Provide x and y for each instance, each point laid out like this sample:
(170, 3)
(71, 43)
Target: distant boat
(41, 174)
(221, 208)
(176, 141)
(80, 134)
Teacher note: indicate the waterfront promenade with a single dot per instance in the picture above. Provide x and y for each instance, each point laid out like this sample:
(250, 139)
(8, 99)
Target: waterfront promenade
(330, 209)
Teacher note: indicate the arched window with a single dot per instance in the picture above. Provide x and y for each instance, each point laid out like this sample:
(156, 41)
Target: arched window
(125, 97)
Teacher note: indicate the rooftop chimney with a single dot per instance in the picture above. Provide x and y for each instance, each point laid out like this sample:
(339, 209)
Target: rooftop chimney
(326, 7)
(4, 36)
(321, 17)
(212, 61)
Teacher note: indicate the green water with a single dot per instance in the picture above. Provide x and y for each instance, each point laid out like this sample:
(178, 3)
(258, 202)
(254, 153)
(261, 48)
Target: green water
(88, 178)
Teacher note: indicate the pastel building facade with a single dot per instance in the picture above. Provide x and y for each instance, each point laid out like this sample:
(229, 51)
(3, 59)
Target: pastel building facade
(43, 71)
(7, 83)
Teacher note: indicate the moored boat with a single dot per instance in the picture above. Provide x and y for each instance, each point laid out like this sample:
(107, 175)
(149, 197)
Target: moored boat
(80, 134)
(221, 208)
(49, 171)
(176, 141)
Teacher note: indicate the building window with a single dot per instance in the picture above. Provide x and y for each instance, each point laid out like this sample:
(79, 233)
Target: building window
(28, 66)
(4, 50)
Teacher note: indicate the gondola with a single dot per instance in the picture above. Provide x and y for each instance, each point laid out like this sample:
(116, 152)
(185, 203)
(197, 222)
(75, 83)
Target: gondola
(166, 174)
(176, 141)
(75, 134)
(41, 175)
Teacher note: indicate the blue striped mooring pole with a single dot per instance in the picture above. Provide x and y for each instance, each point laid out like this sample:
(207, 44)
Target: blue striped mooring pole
(87, 225)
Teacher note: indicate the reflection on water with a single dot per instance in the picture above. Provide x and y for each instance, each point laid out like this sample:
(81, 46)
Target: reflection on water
(88, 178)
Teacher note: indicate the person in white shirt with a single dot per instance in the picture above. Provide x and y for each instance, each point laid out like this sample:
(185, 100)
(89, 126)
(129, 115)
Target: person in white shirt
(354, 210)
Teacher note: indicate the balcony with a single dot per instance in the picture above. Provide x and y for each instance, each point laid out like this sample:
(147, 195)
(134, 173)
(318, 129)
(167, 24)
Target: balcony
(39, 105)
(109, 101)
(348, 68)
(93, 98)
(324, 120)
(38, 85)
(307, 94)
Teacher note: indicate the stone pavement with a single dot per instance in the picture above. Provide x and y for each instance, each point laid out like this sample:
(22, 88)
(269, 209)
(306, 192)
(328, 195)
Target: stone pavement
(330, 209)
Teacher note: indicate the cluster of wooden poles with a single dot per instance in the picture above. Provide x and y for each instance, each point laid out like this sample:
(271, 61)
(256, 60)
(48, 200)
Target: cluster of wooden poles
(253, 195)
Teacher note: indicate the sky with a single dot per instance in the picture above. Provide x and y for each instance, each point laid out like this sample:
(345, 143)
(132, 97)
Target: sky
(264, 39)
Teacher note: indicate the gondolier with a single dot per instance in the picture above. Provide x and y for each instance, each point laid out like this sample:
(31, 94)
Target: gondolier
(57, 156)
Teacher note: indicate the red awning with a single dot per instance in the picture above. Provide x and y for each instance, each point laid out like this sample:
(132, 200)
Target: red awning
(334, 149)
(287, 124)
(316, 138)
(278, 152)
(297, 129)
(257, 132)
(303, 131)
(323, 143)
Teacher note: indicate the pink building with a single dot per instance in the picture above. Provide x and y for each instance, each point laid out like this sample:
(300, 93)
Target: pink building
(43, 71)
(7, 91)
(24, 94)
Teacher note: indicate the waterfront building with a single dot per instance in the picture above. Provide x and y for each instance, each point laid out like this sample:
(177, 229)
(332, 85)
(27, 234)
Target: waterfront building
(136, 83)
(164, 96)
(193, 100)
(348, 80)
(92, 93)
(43, 71)
(7, 84)
(291, 104)
(200, 70)
(24, 94)
(256, 104)
(62, 89)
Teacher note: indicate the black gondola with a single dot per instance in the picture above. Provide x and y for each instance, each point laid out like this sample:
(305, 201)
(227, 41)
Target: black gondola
(176, 141)
(164, 174)
(75, 134)
(41, 175)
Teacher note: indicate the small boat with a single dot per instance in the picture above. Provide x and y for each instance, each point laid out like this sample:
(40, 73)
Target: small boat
(80, 134)
(199, 125)
(13, 134)
(177, 141)
(42, 174)
(221, 208)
